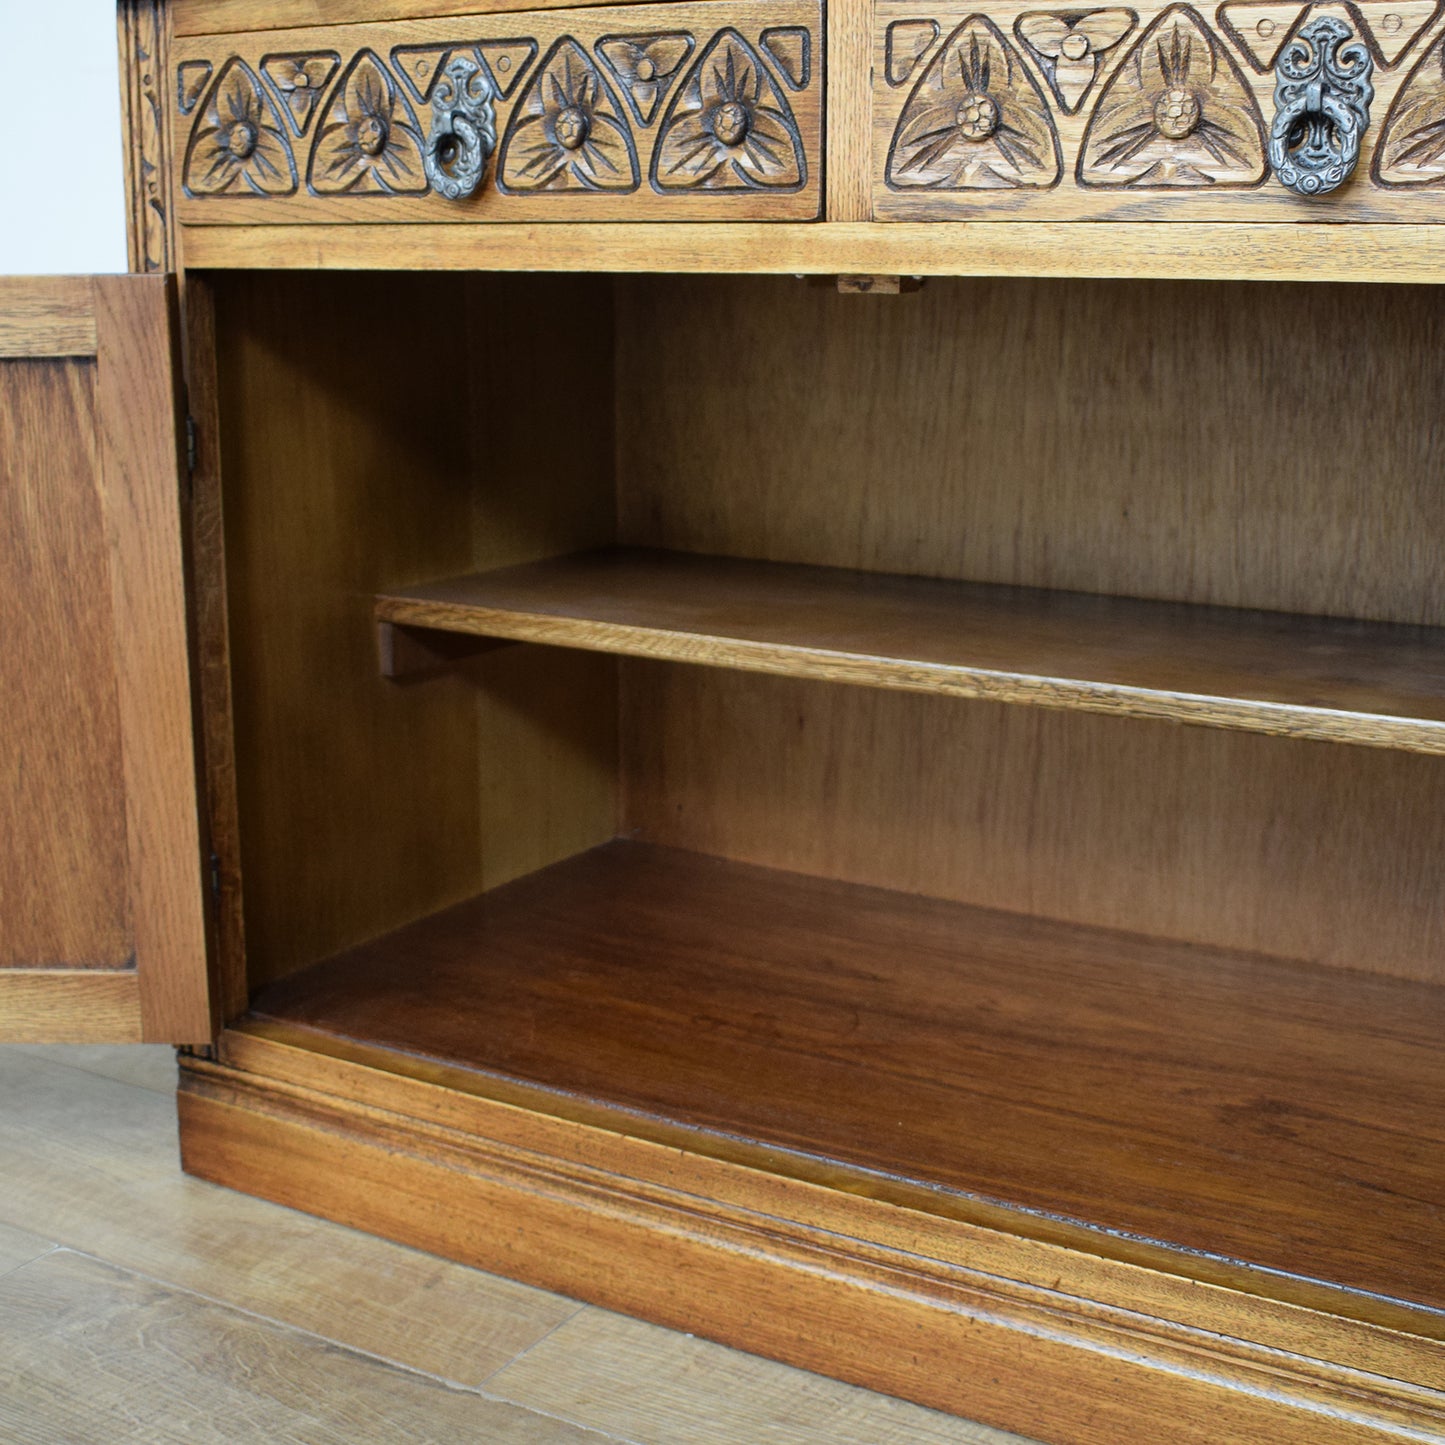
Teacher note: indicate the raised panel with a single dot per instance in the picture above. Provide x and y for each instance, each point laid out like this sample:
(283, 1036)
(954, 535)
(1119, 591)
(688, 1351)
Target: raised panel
(638, 112)
(1137, 112)
(101, 927)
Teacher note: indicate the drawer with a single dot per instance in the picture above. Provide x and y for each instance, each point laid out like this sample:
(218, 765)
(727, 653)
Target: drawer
(1143, 113)
(635, 112)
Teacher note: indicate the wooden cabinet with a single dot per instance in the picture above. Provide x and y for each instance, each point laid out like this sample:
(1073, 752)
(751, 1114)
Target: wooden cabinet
(899, 832)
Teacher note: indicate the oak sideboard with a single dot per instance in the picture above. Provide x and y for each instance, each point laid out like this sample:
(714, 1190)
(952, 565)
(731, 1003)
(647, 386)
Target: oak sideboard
(780, 665)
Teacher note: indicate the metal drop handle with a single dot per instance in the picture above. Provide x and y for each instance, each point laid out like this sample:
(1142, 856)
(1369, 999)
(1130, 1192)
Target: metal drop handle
(463, 129)
(1322, 95)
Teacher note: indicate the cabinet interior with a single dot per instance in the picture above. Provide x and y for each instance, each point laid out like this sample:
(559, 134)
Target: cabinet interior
(1177, 985)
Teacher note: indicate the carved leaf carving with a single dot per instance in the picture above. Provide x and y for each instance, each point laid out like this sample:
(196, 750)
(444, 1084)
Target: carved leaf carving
(645, 67)
(729, 127)
(568, 131)
(300, 81)
(238, 145)
(1070, 47)
(1412, 144)
(369, 141)
(976, 120)
(1177, 113)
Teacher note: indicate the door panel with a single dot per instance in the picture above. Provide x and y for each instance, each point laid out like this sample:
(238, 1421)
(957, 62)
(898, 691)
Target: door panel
(102, 932)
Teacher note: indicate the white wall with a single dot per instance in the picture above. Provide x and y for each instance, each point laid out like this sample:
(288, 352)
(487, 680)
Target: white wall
(62, 187)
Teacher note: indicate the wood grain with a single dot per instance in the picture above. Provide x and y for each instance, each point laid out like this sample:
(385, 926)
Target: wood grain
(643, 158)
(344, 475)
(64, 891)
(658, 1387)
(205, 17)
(1259, 672)
(18, 1247)
(629, 1234)
(46, 316)
(1041, 1065)
(142, 460)
(76, 1335)
(849, 110)
(1181, 181)
(1097, 438)
(70, 1005)
(92, 1163)
(1138, 250)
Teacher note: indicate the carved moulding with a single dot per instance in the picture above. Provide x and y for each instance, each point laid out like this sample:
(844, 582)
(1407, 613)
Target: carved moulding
(1176, 114)
(976, 120)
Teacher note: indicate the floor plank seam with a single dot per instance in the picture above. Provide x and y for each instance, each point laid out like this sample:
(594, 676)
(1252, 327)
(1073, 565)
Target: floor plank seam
(356, 1350)
(522, 1354)
(25, 1264)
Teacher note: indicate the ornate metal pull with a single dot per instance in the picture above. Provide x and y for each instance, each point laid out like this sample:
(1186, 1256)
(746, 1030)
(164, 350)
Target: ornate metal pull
(1322, 96)
(463, 129)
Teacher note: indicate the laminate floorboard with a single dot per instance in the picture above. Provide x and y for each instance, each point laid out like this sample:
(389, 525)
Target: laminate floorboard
(172, 1310)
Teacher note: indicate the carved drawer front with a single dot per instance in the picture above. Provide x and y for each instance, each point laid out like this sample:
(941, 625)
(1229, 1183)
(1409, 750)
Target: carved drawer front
(636, 112)
(1149, 112)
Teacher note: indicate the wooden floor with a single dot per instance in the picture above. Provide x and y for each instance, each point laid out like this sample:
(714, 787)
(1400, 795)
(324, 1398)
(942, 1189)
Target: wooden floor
(137, 1305)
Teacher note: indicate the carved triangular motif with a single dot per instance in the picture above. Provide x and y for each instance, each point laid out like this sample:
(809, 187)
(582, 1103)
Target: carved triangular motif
(368, 140)
(191, 78)
(508, 61)
(1177, 114)
(1260, 29)
(907, 42)
(645, 67)
(1411, 151)
(1069, 47)
(976, 120)
(791, 48)
(238, 145)
(729, 126)
(1395, 25)
(300, 81)
(419, 66)
(567, 132)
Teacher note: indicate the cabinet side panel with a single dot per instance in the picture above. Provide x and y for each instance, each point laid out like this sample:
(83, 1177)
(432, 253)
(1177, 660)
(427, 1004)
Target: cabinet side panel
(64, 889)
(344, 463)
(1304, 850)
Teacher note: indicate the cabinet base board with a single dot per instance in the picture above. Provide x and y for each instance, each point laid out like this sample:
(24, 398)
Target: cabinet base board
(1023, 1334)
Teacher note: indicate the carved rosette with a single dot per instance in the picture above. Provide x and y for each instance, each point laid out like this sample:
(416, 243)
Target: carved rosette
(568, 131)
(729, 127)
(1176, 114)
(1070, 48)
(239, 145)
(368, 141)
(976, 120)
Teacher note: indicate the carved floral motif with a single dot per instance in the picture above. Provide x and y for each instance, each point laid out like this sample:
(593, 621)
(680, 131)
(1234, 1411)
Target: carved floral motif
(1177, 113)
(976, 120)
(238, 146)
(300, 81)
(1070, 47)
(567, 131)
(645, 66)
(369, 140)
(729, 127)
(1411, 151)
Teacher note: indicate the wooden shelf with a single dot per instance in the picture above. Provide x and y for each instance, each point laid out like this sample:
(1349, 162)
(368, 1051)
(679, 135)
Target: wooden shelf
(1371, 683)
(1131, 250)
(1236, 1112)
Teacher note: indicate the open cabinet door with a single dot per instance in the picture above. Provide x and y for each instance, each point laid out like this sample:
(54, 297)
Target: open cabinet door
(102, 923)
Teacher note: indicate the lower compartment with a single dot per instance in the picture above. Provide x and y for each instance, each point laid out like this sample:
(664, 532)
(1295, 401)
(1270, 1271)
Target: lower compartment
(1028, 1335)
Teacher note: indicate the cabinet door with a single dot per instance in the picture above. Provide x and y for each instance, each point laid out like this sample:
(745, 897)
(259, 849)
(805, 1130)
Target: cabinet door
(102, 933)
